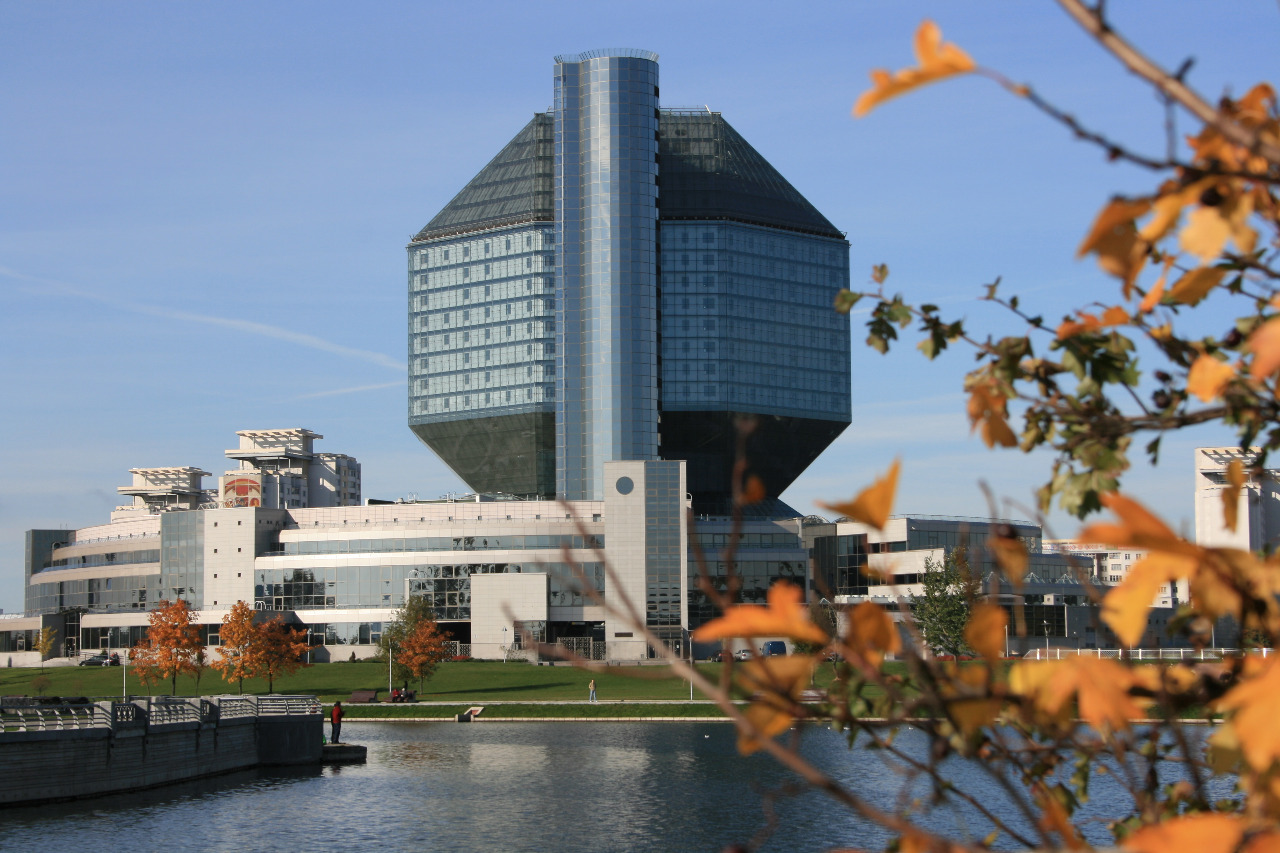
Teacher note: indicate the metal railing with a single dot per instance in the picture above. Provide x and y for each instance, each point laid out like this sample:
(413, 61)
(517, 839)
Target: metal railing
(1137, 654)
(24, 714)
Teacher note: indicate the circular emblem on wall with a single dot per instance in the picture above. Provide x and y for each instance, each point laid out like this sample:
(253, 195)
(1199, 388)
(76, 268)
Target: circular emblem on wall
(624, 485)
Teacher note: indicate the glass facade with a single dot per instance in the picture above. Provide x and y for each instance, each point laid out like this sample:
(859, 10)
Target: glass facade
(482, 326)
(96, 595)
(482, 323)
(182, 557)
(447, 586)
(663, 545)
(747, 321)
(109, 558)
(606, 169)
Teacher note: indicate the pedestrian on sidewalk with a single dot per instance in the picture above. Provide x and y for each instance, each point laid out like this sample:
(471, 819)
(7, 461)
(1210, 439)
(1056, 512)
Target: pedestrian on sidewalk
(591, 691)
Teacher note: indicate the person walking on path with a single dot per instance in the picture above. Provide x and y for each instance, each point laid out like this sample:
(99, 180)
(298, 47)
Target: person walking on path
(591, 691)
(335, 717)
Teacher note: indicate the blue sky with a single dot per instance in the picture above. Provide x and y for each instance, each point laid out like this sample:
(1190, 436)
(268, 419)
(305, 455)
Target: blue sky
(204, 207)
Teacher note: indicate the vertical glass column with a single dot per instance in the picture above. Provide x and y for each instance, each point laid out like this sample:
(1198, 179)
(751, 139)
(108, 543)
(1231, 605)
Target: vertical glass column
(606, 144)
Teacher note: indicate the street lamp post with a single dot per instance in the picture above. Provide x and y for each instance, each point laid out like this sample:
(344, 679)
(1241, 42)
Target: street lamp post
(1046, 638)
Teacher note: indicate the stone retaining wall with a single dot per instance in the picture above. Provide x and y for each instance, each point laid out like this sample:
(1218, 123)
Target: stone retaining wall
(68, 752)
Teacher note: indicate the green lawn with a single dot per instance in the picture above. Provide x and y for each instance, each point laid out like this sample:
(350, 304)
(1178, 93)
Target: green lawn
(465, 682)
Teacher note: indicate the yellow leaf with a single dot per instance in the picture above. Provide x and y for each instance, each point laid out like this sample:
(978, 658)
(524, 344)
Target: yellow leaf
(1208, 378)
(985, 631)
(937, 60)
(1205, 233)
(1195, 285)
(1101, 688)
(1167, 208)
(871, 632)
(1126, 607)
(971, 714)
(1178, 679)
(775, 683)
(1231, 494)
(1264, 343)
(1203, 833)
(874, 503)
(1224, 753)
(784, 616)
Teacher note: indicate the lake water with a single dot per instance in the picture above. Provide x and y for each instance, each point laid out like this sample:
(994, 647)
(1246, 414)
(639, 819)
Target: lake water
(507, 786)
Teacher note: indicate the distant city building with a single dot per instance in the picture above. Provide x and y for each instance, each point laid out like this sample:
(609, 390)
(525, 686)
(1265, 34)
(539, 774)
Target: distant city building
(623, 282)
(1258, 504)
(278, 470)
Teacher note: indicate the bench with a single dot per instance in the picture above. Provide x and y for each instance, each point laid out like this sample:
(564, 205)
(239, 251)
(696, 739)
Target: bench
(358, 696)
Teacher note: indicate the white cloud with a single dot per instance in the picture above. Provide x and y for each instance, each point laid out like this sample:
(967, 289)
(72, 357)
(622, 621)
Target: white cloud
(247, 326)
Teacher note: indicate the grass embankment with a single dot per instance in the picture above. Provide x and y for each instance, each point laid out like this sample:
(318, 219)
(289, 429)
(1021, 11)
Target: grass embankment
(463, 682)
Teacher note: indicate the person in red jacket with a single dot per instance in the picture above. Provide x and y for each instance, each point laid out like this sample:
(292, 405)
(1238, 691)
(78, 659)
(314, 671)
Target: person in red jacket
(335, 717)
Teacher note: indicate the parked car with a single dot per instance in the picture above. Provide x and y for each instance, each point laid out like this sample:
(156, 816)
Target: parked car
(101, 659)
(743, 654)
(773, 648)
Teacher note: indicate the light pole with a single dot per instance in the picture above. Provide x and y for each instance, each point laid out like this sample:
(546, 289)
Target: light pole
(1046, 638)
(389, 688)
(504, 643)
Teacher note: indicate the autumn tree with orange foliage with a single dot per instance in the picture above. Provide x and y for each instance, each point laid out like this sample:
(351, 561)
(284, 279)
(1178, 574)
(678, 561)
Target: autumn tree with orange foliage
(277, 649)
(237, 636)
(1040, 731)
(421, 650)
(172, 645)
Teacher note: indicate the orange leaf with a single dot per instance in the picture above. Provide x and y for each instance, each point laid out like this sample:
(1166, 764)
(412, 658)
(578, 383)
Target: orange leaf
(775, 683)
(1264, 343)
(1100, 686)
(784, 616)
(936, 62)
(1126, 607)
(1231, 494)
(985, 631)
(988, 408)
(1209, 377)
(1168, 207)
(754, 491)
(1203, 833)
(874, 503)
(1156, 293)
(1263, 842)
(1139, 527)
(1195, 285)
(871, 632)
(1113, 316)
(1120, 213)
